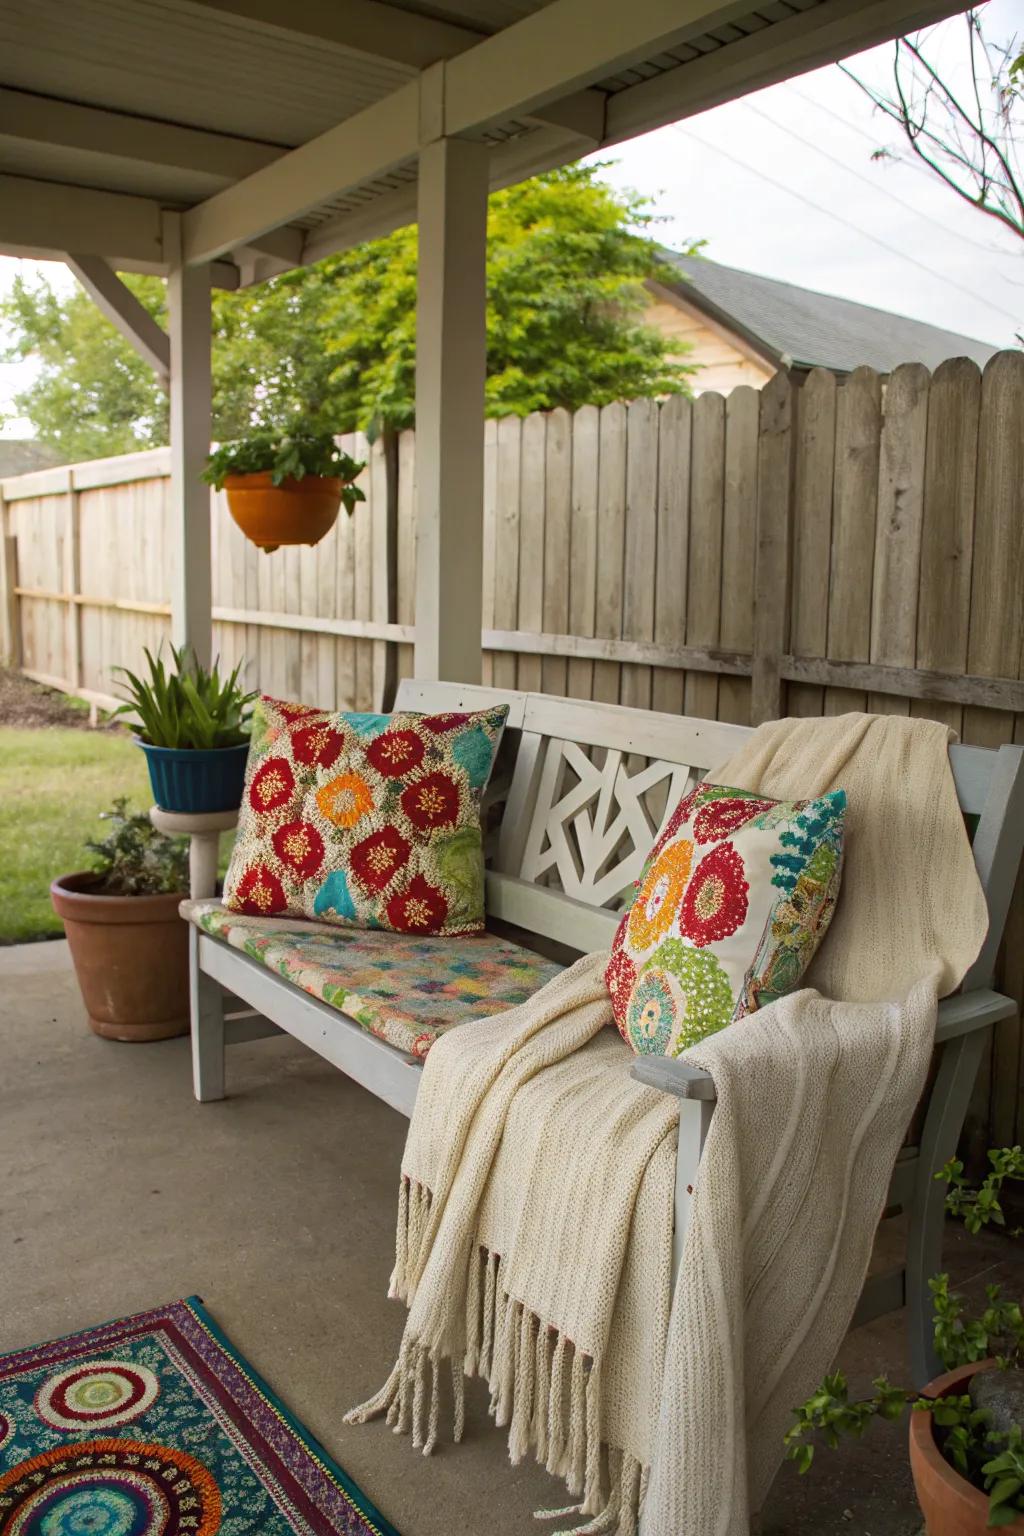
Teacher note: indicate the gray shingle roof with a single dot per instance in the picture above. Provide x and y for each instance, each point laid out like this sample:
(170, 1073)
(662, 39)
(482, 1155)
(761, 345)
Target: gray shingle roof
(797, 326)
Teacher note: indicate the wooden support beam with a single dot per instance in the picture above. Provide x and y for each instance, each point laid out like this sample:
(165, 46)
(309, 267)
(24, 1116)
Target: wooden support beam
(364, 28)
(130, 139)
(124, 311)
(51, 217)
(451, 350)
(188, 304)
(373, 141)
(518, 72)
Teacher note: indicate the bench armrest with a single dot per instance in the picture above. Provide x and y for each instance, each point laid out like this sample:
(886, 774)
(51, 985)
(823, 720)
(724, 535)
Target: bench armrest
(965, 1012)
(674, 1077)
(958, 1015)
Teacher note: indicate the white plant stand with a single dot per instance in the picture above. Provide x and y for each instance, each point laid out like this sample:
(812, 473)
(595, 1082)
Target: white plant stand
(203, 830)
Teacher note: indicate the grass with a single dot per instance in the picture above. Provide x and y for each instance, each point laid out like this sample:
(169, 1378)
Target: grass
(53, 785)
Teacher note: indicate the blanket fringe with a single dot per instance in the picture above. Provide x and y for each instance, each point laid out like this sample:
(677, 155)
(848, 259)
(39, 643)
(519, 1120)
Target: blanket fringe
(544, 1390)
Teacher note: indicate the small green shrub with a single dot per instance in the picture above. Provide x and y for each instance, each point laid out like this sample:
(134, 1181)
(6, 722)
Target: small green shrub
(189, 706)
(134, 859)
(991, 1460)
(287, 455)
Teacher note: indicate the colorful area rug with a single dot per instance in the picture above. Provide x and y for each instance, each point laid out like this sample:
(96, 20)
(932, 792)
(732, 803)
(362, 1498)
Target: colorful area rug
(156, 1426)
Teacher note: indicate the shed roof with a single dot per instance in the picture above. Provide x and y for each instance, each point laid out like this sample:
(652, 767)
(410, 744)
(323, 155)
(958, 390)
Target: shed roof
(799, 327)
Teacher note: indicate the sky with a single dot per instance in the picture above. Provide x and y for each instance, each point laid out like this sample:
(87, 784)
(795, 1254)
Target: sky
(782, 183)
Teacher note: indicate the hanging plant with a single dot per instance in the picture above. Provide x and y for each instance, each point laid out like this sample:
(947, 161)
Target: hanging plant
(285, 487)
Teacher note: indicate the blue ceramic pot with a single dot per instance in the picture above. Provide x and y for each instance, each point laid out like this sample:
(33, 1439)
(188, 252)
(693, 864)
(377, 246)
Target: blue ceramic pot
(195, 780)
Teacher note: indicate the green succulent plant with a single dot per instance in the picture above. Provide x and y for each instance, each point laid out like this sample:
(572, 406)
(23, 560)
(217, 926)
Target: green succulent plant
(134, 859)
(186, 705)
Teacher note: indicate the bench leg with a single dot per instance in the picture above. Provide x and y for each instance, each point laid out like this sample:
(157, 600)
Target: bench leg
(207, 1009)
(958, 1067)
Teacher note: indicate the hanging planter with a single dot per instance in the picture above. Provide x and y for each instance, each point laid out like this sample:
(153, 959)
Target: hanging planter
(285, 487)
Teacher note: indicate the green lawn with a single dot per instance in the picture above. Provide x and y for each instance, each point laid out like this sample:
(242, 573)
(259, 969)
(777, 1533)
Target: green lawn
(53, 785)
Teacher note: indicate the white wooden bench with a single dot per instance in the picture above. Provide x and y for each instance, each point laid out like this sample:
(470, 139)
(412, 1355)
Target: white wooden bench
(578, 795)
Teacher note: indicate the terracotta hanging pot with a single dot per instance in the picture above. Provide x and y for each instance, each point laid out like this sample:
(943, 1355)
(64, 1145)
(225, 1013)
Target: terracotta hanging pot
(294, 512)
(950, 1504)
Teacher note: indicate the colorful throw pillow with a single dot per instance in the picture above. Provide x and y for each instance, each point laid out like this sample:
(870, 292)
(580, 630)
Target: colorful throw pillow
(730, 906)
(370, 821)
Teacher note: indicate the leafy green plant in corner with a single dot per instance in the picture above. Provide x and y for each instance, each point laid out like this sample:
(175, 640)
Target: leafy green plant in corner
(286, 455)
(134, 859)
(992, 1460)
(187, 706)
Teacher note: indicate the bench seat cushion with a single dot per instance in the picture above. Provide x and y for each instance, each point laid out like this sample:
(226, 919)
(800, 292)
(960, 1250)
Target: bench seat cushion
(404, 989)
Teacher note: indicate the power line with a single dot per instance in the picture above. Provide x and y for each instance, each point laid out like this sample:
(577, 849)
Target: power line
(875, 186)
(893, 250)
(990, 249)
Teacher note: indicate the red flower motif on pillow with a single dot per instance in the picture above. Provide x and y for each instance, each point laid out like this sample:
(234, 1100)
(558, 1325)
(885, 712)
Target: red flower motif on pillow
(419, 908)
(301, 847)
(293, 711)
(620, 978)
(273, 785)
(675, 821)
(317, 746)
(441, 723)
(720, 818)
(431, 802)
(395, 753)
(377, 857)
(715, 903)
(259, 892)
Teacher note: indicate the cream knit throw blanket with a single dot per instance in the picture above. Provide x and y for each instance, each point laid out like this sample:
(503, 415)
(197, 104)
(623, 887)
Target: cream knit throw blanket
(535, 1210)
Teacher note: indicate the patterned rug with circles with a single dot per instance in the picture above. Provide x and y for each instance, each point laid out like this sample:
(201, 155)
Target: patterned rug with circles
(157, 1426)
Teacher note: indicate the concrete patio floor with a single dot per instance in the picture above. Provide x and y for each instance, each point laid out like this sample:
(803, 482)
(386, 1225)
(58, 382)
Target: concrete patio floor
(119, 1192)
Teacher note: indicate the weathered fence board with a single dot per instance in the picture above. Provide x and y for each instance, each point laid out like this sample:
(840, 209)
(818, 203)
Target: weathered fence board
(824, 544)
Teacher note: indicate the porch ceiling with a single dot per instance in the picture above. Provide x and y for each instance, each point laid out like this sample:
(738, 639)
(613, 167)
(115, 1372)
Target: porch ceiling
(288, 130)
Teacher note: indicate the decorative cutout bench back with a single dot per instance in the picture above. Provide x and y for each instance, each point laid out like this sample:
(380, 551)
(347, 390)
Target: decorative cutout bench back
(582, 790)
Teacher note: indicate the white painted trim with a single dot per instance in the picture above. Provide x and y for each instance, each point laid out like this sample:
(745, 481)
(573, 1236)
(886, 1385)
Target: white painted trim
(188, 304)
(451, 350)
(367, 144)
(52, 217)
(113, 299)
(218, 157)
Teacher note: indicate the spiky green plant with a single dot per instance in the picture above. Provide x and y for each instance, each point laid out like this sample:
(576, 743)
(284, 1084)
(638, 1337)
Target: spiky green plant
(187, 705)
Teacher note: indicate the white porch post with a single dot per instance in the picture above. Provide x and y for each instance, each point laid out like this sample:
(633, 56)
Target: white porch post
(451, 352)
(188, 306)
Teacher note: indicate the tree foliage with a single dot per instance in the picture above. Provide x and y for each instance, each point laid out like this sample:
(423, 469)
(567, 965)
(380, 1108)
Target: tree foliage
(333, 347)
(971, 138)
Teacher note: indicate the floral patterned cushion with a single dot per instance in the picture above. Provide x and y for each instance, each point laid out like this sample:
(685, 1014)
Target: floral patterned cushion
(403, 989)
(371, 821)
(731, 904)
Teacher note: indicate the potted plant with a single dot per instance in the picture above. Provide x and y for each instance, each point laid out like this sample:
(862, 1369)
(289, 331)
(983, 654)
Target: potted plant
(194, 729)
(967, 1426)
(285, 487)
(128, 944)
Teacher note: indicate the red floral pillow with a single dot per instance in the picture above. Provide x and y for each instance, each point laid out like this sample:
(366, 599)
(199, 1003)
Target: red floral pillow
(371, 821)
(731, 904)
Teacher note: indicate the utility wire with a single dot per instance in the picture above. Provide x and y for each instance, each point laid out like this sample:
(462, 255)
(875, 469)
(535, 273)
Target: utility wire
(874, 185)
(893, 250)
(908, 165)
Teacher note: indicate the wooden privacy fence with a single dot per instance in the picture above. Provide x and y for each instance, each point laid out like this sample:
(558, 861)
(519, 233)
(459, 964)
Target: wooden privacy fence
(816, 547)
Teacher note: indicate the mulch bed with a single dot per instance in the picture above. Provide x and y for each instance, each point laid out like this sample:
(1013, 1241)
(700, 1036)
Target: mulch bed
(27, 704)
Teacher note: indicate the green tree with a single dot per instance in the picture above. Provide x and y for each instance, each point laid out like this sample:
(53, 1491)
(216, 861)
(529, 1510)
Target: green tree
(336, 343)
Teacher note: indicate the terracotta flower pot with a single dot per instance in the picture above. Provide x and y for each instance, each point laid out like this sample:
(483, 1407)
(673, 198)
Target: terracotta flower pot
(294, 512)
(950, 1504)
(131, 958)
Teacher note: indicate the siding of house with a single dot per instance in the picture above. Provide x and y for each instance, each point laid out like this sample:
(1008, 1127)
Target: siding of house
(724, 363)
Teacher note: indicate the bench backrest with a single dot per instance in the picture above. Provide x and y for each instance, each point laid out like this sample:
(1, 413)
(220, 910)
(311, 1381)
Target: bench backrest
(587, 786)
